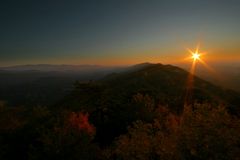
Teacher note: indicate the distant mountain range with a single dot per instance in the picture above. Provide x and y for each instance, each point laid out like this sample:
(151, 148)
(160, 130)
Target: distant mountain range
(228, 74)
(49, 67)
(46, 84)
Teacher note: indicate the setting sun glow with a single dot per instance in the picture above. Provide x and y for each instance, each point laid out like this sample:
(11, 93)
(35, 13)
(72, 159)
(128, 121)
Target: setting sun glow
(195, 56)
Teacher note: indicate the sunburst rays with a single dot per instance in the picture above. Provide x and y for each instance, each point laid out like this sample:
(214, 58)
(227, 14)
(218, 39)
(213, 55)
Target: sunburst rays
(196, 56)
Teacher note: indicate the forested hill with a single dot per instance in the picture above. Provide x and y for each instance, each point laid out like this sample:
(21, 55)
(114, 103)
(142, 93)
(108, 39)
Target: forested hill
(165, 83)
(119, 99)
(134, 113)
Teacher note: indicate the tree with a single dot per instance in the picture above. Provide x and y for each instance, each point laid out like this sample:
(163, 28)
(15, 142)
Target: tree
(204, 132)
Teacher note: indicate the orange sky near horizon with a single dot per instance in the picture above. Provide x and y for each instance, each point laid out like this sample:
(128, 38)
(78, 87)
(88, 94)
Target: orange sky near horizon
(152, 56)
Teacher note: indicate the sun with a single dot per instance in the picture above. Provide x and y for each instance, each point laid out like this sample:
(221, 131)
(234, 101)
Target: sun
(195, 56)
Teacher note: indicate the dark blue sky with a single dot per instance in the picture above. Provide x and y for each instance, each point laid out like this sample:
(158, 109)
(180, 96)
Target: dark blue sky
(115, 31)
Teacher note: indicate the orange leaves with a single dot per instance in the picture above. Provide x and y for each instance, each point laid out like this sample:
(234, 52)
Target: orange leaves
(205, 132)
(173, 122)
(79, 121)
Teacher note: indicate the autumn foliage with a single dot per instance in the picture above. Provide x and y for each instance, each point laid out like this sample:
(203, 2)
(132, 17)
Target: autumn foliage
(200, 133)
(79, 121)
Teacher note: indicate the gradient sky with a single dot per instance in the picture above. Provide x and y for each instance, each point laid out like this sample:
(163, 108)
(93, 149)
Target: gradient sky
(117, 32)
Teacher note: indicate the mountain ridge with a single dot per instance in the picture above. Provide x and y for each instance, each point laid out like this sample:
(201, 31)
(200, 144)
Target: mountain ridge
(166, 83)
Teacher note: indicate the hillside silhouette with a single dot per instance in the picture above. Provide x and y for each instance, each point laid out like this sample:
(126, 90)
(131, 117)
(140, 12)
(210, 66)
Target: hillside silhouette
(166, 83)
(113, 100)
(138, 112)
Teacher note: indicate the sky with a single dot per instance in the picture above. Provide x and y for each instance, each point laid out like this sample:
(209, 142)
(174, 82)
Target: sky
(117, 32)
